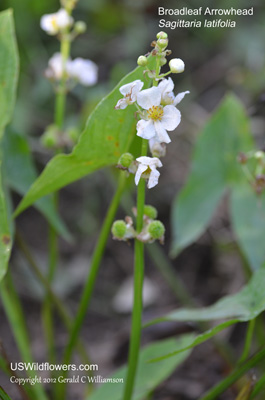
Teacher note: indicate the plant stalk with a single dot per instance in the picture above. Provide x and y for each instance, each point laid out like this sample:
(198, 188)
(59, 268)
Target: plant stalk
(136, 327)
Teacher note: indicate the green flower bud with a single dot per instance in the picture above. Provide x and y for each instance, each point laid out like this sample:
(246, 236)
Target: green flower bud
(119, 229)
(49, 137)
(126, 159)
(142, 61)
(80, 27)
(176, 65)
(162, 43)
(259, 155)
(156, 229)
(161, 35)
(150, 212)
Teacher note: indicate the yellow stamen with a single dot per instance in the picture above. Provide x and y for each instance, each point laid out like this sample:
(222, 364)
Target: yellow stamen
(155, 113)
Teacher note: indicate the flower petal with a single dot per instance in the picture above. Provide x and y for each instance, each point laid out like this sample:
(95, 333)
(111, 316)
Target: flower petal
(121, 105)
(166, 86)
(149, 161)
(171, 118)
(140, 170)
(85, 71)
(161, 133)
(180, 97)
(149, 97)
(153, 179)
(125, 89)
(145, 129)
(136, 89)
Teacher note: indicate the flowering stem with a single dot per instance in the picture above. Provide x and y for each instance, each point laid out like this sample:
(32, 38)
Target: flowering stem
(60, 101)
(138, 289)
(90, 283)
(61, 92)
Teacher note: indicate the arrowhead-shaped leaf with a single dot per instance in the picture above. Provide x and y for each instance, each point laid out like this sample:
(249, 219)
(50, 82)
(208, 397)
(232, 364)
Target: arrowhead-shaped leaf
(245, 305)
(214, 169)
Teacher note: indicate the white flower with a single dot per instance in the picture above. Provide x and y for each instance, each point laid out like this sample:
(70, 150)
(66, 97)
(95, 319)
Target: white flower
(56, 22)
(147, 167)
(157, 148)
(176, 65)
(84, 71)
(159, 119)
(55, 67)
(166, 87)
(129, 91)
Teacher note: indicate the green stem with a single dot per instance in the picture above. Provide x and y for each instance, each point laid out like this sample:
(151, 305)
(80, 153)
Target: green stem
(47, 314)
(60, 100)
(90, 283)
(138, 291)
(260, 385)
(238, 372)
(247, 345)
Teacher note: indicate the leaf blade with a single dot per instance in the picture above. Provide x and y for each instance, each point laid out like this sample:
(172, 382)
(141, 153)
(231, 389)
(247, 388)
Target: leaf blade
(214, 169)
(147, 378)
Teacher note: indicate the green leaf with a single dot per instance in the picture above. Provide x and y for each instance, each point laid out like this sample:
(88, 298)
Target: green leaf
(5, 232)
(243, 306)
(9, 68)
(248, 219)
(149, 376)
(214, 169)
(3, 395)
(8, 83)
(107, 135)
(20, 173)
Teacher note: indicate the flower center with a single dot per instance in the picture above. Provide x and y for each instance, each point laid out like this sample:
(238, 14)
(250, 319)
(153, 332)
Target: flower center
(155, 113)
(54, 22)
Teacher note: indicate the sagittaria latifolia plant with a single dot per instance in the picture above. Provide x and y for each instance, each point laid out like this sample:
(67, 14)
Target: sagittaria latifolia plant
(142, 109)
(157, 114)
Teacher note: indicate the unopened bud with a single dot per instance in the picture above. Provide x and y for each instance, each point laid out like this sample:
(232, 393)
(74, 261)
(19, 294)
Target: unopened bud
(162, 43)
(142, 61)
(119, 229)
(176, 65)
(156, 229)
(259, 155)
(150, 212)
(49, 137)
(80, 27)
(161, 35)
(125, 160)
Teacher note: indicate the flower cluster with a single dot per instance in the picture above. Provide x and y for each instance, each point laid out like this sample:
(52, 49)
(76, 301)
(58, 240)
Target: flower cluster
(253, 165)
(153, 229)
(75, 71)
(157, 111)
(157, 115)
